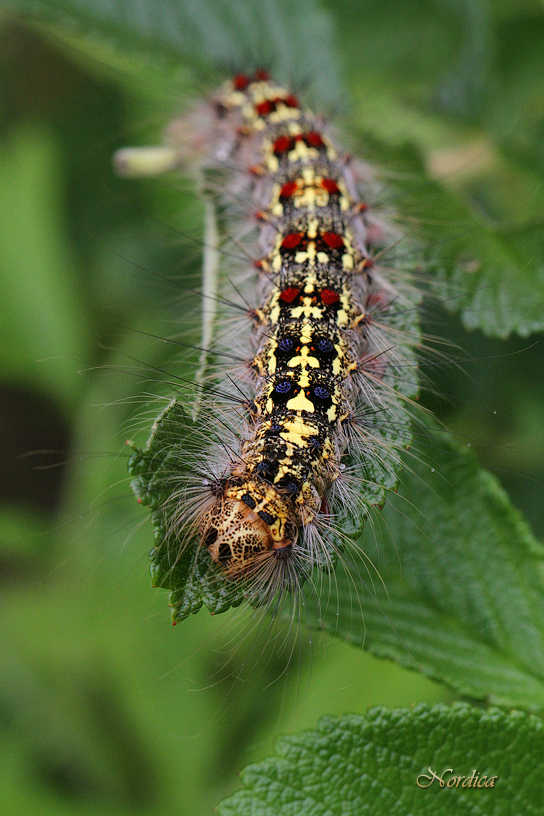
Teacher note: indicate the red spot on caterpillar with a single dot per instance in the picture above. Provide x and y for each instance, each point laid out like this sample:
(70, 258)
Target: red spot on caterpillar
(262, 76)
(368, 263)
(292, 240)
(330, 186)
(333, 240)
(288, 189)
(289, 295)
(241, 81)
(290, 101)
(282, 145)
(362, 207)
(329, 296)
(314, 139)
(264, 108)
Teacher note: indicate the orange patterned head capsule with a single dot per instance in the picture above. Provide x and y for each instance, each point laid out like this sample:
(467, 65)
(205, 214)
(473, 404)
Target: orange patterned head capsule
(249, 520)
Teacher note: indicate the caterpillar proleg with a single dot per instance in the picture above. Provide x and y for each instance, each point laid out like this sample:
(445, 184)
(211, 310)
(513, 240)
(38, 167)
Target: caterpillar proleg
(289, 444)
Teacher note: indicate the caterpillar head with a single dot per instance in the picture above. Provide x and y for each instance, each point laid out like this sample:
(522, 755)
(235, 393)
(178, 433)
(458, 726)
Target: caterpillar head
(250, 521)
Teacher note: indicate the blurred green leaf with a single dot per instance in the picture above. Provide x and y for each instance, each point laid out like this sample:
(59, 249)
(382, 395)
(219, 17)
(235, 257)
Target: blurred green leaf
(44, 327)
(457, 131)
(230, 34)
(454, 581)
(492, 274)
(369, 765)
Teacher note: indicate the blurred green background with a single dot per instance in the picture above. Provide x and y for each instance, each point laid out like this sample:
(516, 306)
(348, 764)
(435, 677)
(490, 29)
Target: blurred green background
(104, 707)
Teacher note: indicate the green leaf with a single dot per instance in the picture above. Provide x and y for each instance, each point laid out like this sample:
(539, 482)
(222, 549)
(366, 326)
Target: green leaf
(490, 272)
(294, 38)
(481, 217)
(448, 580)
(460, 592)
(505, 294)
(370, 765)
(159, 472)
(464, 117)
(44, 310)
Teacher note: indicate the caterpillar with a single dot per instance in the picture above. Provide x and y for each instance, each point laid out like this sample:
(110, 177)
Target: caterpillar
(319, 403)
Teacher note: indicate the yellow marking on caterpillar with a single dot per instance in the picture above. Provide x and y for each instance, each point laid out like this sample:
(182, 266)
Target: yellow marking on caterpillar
(308, 311)
(276, 260)
(272, 361)
(332, 413)
(304, 359)
(300, 403)
(283, 114)
(297, 431)
(313, 228)
(274, 314)
(339, 362)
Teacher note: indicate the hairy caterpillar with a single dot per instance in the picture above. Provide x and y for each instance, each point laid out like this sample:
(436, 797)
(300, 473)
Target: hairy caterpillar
(318, 406)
